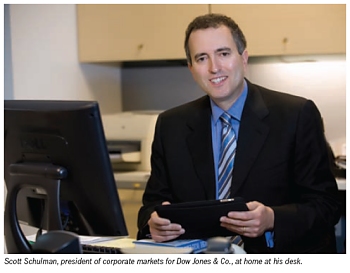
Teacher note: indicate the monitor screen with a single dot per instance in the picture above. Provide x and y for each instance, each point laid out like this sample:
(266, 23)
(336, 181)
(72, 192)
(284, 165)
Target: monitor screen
(56, 162)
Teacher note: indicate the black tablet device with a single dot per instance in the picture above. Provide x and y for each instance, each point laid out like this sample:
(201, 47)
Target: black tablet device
(201, 219)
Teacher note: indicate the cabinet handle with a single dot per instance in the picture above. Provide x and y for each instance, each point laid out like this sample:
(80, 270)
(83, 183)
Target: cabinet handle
(140, 46)
(285, 44)
(136, 186)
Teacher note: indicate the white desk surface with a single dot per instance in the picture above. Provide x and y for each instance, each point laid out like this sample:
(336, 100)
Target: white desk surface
(341, 183)
(127, 246)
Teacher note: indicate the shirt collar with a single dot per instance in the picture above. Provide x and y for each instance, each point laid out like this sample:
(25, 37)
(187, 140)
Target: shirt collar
(235, 110)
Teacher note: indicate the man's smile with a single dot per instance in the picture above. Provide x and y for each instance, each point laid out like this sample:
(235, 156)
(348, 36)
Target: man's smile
(218, 80)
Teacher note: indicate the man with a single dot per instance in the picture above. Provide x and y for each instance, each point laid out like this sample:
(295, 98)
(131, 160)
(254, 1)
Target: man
(278, 153)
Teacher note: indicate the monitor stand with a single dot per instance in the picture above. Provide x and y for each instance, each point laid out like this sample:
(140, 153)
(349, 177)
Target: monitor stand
(34, 175)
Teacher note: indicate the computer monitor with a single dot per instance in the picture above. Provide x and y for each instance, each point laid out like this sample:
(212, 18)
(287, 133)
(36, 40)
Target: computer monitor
(58, 172)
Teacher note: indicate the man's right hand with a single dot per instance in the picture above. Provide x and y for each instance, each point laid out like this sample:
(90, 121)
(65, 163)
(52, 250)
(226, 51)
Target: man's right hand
(162, 229)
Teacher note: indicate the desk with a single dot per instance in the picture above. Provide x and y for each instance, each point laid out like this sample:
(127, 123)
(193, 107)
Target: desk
(127, 246)
(340, 228)
(341, 183)
(131, 180)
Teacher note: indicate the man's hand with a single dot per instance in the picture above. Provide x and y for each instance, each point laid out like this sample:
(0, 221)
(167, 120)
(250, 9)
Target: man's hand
(162, 229)
(252, 223)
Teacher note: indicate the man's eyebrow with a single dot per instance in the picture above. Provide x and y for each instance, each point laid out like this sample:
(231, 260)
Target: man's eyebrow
(199, 55)
(223, 49)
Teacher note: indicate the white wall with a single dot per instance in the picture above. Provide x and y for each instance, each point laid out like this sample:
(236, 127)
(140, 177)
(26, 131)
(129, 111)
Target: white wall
(45, 59)
(8, 89)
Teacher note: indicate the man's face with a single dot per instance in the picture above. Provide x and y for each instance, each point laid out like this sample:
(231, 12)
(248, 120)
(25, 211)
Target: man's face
(217, 66)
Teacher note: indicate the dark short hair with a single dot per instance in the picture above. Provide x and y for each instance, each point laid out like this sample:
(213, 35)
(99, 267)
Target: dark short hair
(213, 20)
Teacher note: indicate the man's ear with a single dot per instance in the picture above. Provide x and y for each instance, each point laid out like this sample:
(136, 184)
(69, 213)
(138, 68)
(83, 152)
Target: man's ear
(245, 57)
(190, 67)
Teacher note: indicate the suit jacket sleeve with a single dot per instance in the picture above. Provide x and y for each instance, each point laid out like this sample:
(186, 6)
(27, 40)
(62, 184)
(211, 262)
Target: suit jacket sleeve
(317, 207)
(156, 191)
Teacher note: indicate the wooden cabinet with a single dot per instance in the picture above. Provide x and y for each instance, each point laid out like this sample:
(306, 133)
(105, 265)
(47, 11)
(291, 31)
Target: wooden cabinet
(130, 32)
(289, 29)
(140, 32)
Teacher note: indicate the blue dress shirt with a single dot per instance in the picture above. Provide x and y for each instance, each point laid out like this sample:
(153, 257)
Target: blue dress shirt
(236, 112)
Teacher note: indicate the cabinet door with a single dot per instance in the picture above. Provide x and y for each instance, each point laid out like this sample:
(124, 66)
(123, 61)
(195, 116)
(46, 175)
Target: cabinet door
(289, 29)
(134, 32)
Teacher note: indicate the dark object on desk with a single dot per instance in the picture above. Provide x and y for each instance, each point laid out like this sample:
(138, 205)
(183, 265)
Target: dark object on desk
(93, 249)
(338, 164)
(57, 242)
(201, 219)
(58, 172)
(339, 168)
(219, 245)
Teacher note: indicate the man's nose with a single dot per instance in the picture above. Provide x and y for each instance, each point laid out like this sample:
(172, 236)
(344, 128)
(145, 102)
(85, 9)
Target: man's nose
(214, 66)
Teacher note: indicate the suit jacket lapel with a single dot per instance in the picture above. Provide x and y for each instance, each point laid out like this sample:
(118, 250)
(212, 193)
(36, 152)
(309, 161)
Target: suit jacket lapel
(252, 134)
(199, 142)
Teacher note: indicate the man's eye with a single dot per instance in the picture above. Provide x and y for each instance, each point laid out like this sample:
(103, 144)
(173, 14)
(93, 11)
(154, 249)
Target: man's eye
(201, 59)
(225, 54)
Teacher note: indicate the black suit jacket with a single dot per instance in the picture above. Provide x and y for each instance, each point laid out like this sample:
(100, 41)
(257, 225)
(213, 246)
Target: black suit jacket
(281, 161)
